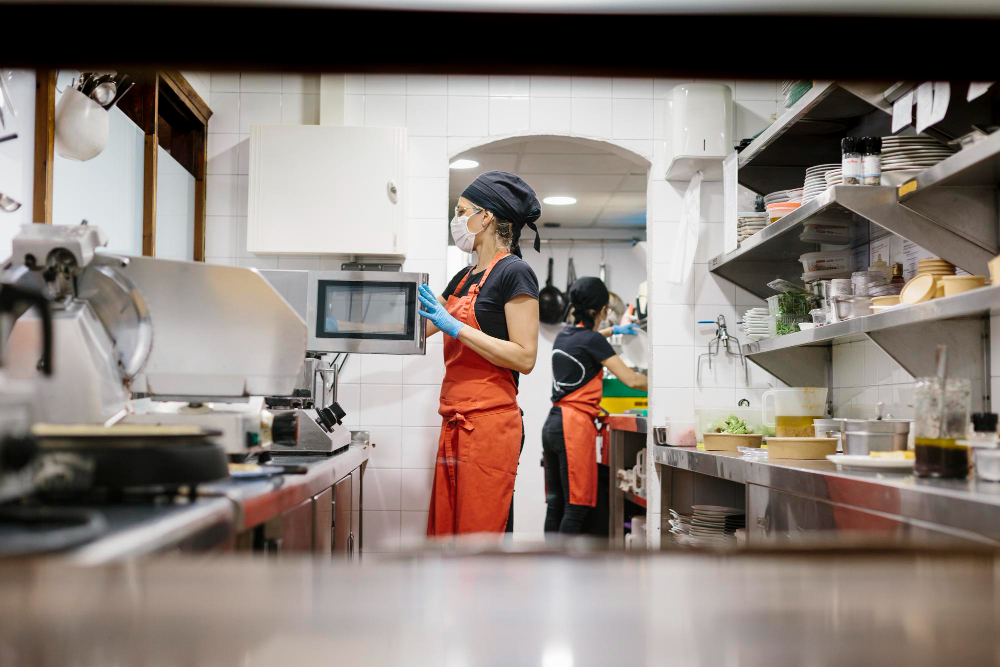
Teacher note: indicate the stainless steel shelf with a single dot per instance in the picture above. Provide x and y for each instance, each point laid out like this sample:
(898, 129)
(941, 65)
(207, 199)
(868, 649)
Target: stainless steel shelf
(968, 241)
(803, 136)
(961, 322)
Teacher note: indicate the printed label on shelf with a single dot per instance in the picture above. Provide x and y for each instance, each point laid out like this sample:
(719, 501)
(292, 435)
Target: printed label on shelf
(925, 102)
(906, 188)
(977, 88)
(902, 112)
(880, 250)
(942, 96)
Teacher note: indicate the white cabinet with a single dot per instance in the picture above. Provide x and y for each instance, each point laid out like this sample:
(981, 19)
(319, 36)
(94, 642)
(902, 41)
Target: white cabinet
(324, 189)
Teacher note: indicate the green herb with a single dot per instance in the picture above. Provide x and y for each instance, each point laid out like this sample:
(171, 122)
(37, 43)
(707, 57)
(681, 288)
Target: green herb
(793, 303)
(735, 425)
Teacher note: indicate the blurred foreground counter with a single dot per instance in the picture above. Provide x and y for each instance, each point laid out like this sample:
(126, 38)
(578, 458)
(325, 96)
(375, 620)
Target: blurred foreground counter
(692, 608)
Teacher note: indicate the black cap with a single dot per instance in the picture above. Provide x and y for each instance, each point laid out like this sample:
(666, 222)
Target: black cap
(589, 292)
(849, 145)
(870, 145)
(984, 422)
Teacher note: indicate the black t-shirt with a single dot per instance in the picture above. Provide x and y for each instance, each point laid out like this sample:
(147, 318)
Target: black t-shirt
(577, 355)
(512, 276)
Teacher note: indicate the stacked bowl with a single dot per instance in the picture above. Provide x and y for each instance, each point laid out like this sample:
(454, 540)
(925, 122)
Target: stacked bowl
(904, 157)
(749, 223)
(816, 183)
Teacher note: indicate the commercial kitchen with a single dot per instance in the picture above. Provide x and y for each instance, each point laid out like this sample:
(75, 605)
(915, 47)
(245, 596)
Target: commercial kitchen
(231, 314)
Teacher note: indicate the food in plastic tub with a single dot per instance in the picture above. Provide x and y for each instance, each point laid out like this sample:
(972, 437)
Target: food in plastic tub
(713, 420)
(776, 212)
(918, 290)
(958, 284)
(883, 301)
(835, 260)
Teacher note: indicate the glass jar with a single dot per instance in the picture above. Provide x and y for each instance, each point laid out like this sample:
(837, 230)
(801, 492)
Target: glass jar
(851, 167)
(938, 432)
(871, 160)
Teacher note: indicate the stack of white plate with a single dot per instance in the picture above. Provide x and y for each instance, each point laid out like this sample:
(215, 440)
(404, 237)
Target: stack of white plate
(748, 224)
(680, 527)
(905, 157)
(815, 183)
(713, 525)
(782, 196)
(834, 177)
(756, 323)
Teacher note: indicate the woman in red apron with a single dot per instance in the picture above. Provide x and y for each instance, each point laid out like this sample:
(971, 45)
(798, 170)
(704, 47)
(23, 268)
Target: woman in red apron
(490, 315)
(569, 438)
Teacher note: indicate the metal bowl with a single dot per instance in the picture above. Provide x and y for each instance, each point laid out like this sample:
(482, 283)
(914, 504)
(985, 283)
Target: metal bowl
(862, 436)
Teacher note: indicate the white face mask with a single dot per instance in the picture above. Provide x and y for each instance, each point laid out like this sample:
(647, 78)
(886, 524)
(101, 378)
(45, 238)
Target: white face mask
(464, 239)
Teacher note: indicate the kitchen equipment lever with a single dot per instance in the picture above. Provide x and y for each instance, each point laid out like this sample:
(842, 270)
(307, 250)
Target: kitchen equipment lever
(723, 341)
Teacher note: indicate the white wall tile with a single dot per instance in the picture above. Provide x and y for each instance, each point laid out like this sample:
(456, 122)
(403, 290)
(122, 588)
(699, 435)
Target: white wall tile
(225, 116)
(220, 236)
(434, 268)
(666, 199)
(721, 371)
(385, 110)
(426, 84)
(508, 115)
(592, 117)
(241, 238)
(354, 84)
(412, 528)
(667, 404)
(427, 239)
(420, 446)
(427, 115)
(388, 447)
(872, 353)
(658, 124)
(711, 289)
(584, 86)
(224, 82)
(415, 494)
(551, 86)
(747, 299)
(752, 117)
(712, 203)
(634, 88)
(420, 406)
(381, 404)
(703, 333)
(671, 325)
(382, 368)
(745, 90)
(633, 119)
(255, 82)
(349, 397)
(509, 86)
(299, 109)
(673, 366)
(714, 397)
(385, 84)
(381, 531)
(710, 241)
(664, 87)
(428, 156)
(458, 145)
(223, 153)
(300, 83)
(221, 192)
(354, 110)
(243, 147)
(856, 365)
(242, 194)
(551, 114)
(468, 116)
(299, 263)
(663, 293)
(427, 198)
(662, 237)
(259, 109)
(425, 368)
(641, 147)
(461, 84)
(350, 372)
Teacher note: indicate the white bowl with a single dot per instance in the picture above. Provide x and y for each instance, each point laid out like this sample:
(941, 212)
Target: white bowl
(81, 126)
(806, 325)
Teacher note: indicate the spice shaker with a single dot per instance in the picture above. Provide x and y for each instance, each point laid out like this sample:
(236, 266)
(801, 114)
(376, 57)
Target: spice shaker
(942, 411)
(851, 167)
(871, 160)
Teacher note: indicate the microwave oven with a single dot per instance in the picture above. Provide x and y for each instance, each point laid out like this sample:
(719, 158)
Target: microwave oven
(368, 312)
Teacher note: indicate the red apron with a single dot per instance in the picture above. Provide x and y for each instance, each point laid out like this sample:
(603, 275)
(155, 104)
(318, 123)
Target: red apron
(480, 438)
(579, 410)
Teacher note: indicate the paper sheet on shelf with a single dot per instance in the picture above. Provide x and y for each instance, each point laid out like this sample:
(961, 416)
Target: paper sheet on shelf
(686, 242)
(730, 191)
(942, 97)
(880, 249)
(902, 112)
(977, 88)
(925, 103)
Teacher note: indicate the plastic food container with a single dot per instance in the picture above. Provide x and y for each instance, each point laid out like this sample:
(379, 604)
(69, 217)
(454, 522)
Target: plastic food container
(883, 301)
(776, 212)
(676, 434)
(988, 464)
(801, 448)
(836, 260)
(710, 419)
(958, 284)
(730, 442)
(835, 233)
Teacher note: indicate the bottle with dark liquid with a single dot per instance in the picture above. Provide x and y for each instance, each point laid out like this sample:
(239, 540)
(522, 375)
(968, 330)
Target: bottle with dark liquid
(938, 432)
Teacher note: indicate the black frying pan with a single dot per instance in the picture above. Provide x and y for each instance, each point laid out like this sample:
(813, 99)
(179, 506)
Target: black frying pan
(551, 302)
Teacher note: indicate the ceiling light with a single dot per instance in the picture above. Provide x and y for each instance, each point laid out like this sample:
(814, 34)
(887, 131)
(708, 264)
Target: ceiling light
(464, 164)
(560, 201)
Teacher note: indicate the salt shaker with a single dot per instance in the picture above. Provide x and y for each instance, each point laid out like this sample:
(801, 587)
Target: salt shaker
(850, 161)
(871, 160)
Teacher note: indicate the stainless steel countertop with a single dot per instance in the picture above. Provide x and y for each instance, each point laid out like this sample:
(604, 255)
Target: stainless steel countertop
(223, 509)
(968, 505)
(686, 608)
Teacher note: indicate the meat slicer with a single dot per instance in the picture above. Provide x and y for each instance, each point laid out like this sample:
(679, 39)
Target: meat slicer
(140, 340)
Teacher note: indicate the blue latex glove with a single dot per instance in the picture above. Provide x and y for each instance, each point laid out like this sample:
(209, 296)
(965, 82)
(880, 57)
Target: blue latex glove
(331, 325)
(436, 313)
(630, 329)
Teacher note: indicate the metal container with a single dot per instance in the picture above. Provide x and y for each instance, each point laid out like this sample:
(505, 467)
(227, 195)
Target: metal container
(861, 436)
(850, 307)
